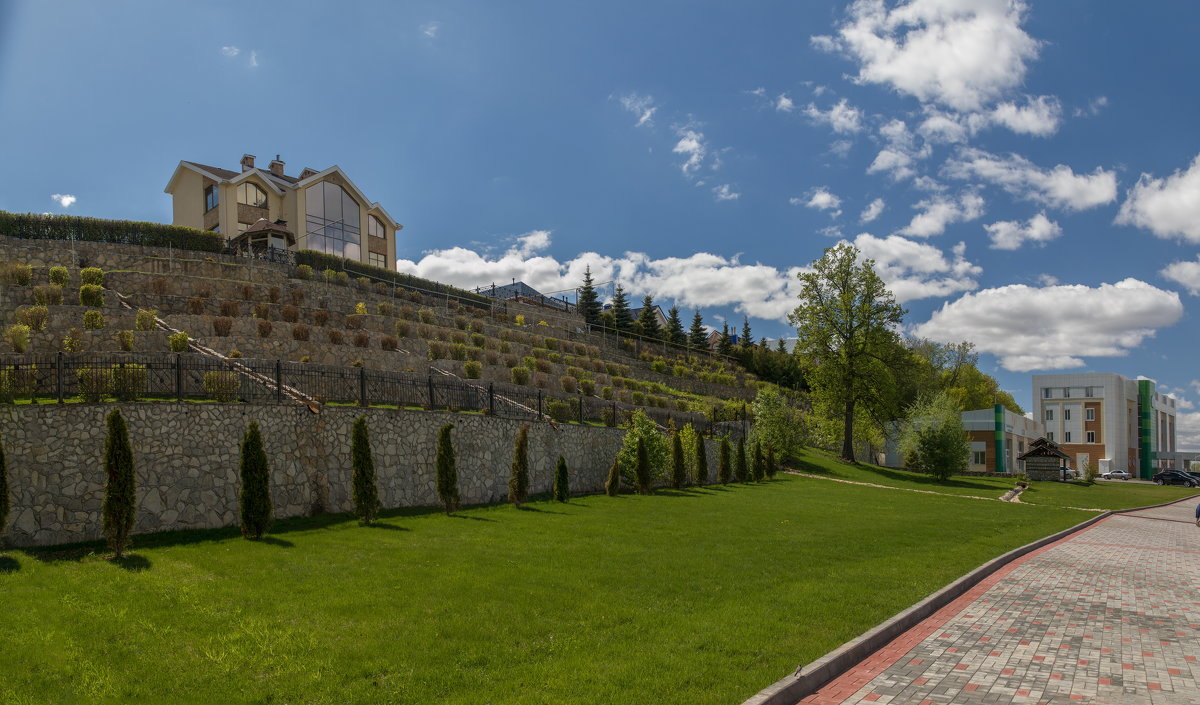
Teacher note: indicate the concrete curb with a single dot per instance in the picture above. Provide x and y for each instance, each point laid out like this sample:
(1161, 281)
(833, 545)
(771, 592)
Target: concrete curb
(791, 689)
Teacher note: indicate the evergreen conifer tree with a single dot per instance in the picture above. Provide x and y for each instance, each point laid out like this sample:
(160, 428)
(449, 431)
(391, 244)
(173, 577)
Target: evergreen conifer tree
(747, 339)
(771, 466)
(757, 472)
(697, 335)
(589, 302)
(447, 475)
(740, 469)
(724, 471)
(120, 502)
(622, 318)
(725, 344)
(612, 486)
(701, 456)
(674, 333)
(562, 481)
(642, 468)
(366, 489)
(780, 346)
(254, 499)
(647, 321)
(518, 479)
(678, 464)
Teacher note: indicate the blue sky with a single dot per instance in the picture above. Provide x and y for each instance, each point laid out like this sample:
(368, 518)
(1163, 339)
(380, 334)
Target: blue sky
(1024, 174)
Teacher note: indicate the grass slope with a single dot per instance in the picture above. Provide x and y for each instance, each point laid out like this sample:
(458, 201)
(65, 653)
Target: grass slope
(701, 596)
(1099, 495)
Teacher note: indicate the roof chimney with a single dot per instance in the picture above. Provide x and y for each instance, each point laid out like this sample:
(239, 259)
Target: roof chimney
(247, 162)
(276, 166)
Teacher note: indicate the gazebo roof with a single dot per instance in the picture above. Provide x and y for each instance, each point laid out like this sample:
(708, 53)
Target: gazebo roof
(1043, 448)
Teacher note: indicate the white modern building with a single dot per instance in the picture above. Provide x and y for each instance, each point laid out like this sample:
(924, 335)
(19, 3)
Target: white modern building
(1108, 421)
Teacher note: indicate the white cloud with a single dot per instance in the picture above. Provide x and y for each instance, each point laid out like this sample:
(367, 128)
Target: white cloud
(724, 193)
(1093, 107)
(1168, 207)
(640, 105)
(842, 117)
(822, 200)
(1010, 234)
(897, 158)
(1054, 327)
(1186, 274)
(692, 145)
(253, 58)
(531, 242)
(939, 211)
(943, 128)
(1059, 187)
(1187, 431)
(872, 211)
(230, 51)
(960, 53)
(917, 270)
(64, 199)
(1039, 116)
(840, 147)
(784, 104)
(1047, 279)
(430, 29)
(760, 92)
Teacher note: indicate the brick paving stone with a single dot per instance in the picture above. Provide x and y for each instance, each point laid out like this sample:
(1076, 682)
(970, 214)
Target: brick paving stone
(1107, 616)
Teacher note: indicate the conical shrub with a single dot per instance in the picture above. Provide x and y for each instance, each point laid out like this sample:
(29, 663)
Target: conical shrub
(701, 455)
(612, 486)
(562, 481)
(518, 479)
(120, 504)
(740, 469)
(447, 475)
(724, 467)
(366, 488)
(678, 464)
(254, 500)
(642, 469)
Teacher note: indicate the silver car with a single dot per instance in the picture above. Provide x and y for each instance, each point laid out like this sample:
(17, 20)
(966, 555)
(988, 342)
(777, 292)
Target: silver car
(1116, 475)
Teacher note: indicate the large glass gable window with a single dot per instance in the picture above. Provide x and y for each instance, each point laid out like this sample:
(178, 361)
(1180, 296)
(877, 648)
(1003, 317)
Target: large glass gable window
(333, 226)
(251, 195)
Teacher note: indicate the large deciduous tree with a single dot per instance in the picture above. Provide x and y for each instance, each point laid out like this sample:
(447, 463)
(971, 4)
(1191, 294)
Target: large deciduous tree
(846, 324)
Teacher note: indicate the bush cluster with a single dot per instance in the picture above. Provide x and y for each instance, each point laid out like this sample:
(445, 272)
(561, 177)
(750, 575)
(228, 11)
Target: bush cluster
(33, 226)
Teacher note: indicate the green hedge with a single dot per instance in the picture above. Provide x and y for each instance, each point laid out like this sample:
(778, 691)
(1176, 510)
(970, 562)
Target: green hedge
(34, 226)
(321, 261)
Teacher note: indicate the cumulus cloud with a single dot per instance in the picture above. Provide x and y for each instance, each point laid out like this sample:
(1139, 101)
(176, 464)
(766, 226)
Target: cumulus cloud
(940, 211)
(821, 199)
(784, 104)
(872, 211)
(1093, 108)
(1011, 234)
(1185, 274)
(1168, 207)
(230, 51)
(959, 53)
(1187, 431)
(917, 270)
(725, 193)
(941, 127)
(63, 199)
(693, 147)
(430, 29)
(253, 58)
(1059, 187)
(1039, 116)
(1054, 327)
(897, 157)
(642, 106)
(842, 117)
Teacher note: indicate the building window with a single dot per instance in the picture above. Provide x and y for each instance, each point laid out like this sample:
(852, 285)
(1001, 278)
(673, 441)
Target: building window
(1067, 437)
(375, 228)
(1045, 392)
(333, 225)
(1066, 392)
(980, 458)
(251, 195)
(376, 259)
(1021, 447)
(1066, 414)
(1090, 414)
(1050, 436)
(210, 198)
(1049, 414)
(1091, 436)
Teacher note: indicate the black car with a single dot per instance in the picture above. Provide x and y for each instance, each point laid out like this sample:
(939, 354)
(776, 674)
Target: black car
(1172, 477)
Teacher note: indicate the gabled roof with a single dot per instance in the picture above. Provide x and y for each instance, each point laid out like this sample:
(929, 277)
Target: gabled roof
(371, 206)
(1043, 447)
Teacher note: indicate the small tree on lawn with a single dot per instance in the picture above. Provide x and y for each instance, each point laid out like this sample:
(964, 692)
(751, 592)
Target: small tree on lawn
(366, 491)
(932, 437)
(120, 505)
(740, 469)
(701, 455)
(724, 471)
(447, 475)
(518, 479)
(757, 472)
(562, 481)
(254, 501)
(678, 464)
(771, 466)
(642, 468)
(612, 486)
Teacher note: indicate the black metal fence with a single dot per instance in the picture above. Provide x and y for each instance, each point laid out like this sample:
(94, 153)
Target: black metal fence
(100, 377)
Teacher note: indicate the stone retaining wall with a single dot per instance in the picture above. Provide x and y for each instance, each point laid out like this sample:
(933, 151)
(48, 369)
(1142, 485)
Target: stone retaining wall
(186, 461)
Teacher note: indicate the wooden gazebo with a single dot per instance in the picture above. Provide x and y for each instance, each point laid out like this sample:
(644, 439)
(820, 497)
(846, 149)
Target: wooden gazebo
(1044, 461)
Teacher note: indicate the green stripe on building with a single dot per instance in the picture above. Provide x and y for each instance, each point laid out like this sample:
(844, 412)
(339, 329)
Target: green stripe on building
(999, 409)
(1146, 428)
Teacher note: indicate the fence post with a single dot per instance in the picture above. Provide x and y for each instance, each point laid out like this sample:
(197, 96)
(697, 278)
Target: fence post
(278, 382)
(580, 409)
(614, 414)
(491, 398)
(539, 404)
(429, 382)
(60, 377)
(362, 387)
(178, 376)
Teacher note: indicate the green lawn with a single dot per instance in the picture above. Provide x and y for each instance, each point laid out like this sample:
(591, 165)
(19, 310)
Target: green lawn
(1099, 495)
(702, 596)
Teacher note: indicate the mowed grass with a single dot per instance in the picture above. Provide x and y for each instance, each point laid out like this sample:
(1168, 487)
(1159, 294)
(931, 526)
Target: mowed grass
(700, 596)
(1099, 495)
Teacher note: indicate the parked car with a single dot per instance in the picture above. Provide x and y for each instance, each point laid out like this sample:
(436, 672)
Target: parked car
(1173, 477)
(1116, 475)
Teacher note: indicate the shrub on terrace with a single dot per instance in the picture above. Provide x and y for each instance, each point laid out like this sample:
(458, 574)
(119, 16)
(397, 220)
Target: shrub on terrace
(248, 293)
(320, 317)
(402, 329)
(560, 410)
(304, 272)
(520, 375)
(300, 332)
(34, 317)
(492, 357)
(297, 296)
(144, 320)
(230, 309)
(128, 381)
(447, 474)
(16, 274)
(120, 502)
(366, 489)
(204, 292)
(364, 284)
(195, 306)
(473, 370)
(125, 340)
(360, 309)
(91, 295)
(329, 275)
(335, 337)
(406, 313)
(91, 275)
(59, 276)
(73, 341)
(222, 385)
(273, 294)
(178, 342)
(264, 328)
(342, 278)
(362, 340)
(569, 384)
(262, 311)
(222, 326)
(254, 499)
(588, 387)
(511, 361)
(606, 393)
(426, 316)
(383, 308)
(291, 314)
(48, 295)
(389, 343)
(93, 320)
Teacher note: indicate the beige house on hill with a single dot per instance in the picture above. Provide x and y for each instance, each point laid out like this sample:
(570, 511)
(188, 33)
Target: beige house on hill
(321, 210)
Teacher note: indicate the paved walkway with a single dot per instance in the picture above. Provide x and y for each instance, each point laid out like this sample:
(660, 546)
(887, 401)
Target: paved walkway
(1109, 615)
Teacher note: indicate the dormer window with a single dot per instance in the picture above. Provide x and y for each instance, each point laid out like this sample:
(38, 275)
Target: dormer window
(375, 228)
(251, 195)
